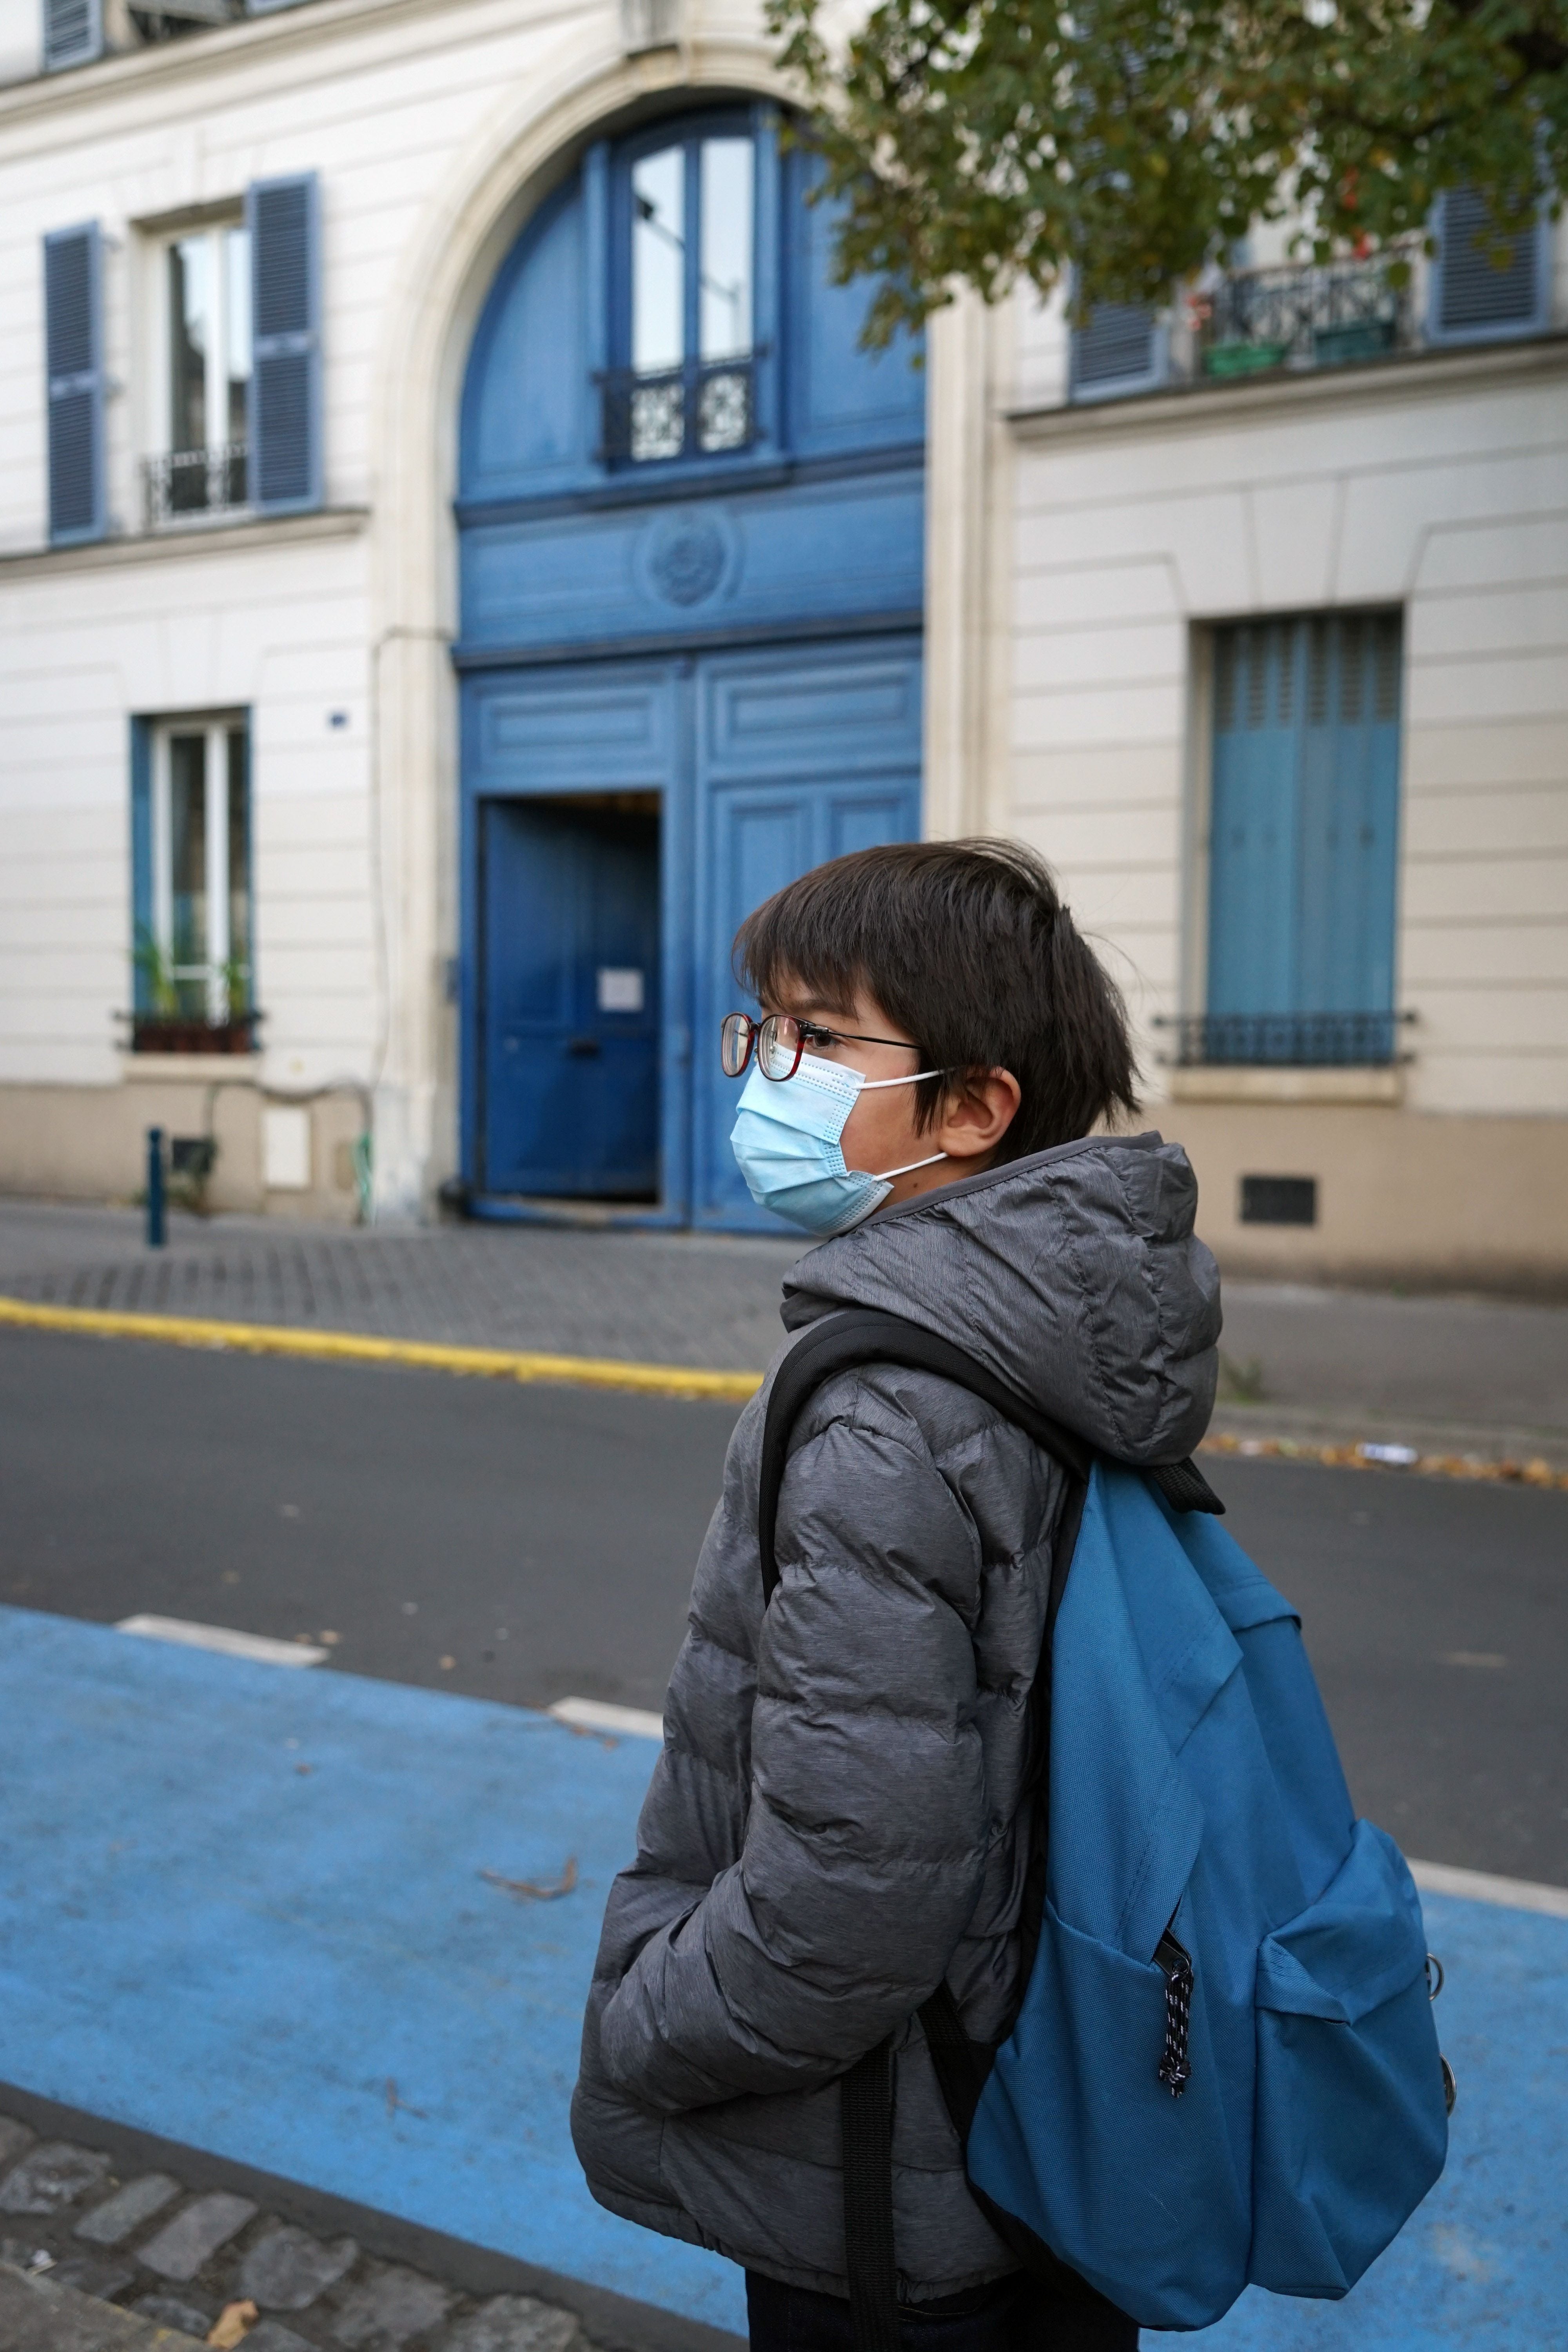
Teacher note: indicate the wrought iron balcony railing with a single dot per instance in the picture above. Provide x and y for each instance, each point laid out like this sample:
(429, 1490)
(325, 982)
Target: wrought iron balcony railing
(701, 410)
(1286, 1039)
(1304, 316)
(190, 482)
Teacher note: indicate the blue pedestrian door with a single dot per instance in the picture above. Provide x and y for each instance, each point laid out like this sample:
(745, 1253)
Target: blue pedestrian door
(571, 892)
(624, 818)
(1305, 816)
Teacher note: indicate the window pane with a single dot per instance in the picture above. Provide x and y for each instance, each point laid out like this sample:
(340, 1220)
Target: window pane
(726, 306)
(237, 331)
(239, 871)
(190, 311)
(188, 867)
(659, 260)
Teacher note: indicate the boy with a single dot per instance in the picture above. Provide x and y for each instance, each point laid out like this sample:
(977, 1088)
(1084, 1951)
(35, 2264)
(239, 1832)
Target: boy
(839, 1821)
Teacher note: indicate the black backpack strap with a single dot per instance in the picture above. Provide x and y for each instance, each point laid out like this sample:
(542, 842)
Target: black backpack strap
(865, 1335)
(1184, 1488)
(866, 2107)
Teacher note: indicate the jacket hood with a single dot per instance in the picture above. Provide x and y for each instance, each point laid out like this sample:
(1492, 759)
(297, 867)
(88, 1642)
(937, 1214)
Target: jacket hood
(1074, 1275)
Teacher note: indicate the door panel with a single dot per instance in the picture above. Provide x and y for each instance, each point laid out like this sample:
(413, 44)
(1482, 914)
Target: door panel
(800, 756)
(571, 896)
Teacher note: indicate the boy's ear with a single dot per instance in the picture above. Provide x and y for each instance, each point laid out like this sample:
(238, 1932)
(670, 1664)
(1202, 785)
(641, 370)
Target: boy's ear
(977, 1114)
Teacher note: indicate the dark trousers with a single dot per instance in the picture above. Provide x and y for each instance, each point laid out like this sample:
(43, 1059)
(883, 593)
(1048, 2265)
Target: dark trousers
(1011, 2315)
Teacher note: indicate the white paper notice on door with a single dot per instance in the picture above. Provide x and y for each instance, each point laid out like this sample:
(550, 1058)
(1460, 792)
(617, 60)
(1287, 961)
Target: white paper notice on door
(620, 990)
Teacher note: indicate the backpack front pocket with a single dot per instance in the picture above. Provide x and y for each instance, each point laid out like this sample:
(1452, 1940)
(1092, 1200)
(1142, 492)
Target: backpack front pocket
(1122, 2161)
(1350, 2128)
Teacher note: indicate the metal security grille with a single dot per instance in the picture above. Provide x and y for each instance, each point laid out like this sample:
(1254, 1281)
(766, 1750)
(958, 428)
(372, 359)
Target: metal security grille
(1303, 843)
(196, 481)
(1304, 316)
(687, 412)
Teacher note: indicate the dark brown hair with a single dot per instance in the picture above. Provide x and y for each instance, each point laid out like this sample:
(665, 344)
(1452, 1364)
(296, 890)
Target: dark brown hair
(968, 947)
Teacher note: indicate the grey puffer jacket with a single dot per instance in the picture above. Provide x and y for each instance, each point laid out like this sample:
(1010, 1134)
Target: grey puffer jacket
(836, 1821)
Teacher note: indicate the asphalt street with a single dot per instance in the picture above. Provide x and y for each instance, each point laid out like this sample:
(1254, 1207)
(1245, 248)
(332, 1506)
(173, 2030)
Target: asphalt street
(527, 1543)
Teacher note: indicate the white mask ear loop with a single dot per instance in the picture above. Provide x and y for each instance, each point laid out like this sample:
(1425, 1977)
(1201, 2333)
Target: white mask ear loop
(887, 1174)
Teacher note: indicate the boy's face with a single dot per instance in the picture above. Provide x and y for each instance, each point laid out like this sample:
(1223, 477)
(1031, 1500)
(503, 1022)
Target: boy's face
(880, 1131)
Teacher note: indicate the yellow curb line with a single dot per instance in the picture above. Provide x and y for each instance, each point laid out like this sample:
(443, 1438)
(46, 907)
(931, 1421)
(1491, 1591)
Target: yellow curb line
(354, 1346)
(609, 1372)
(1351, 1457)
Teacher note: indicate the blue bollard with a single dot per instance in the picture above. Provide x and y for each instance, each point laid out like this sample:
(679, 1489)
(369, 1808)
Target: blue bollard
(157, 1235)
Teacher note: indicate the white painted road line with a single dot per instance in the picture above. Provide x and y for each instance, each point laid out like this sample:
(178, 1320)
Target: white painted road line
(593, 1715)
(1482, 1886)
(266, 1652)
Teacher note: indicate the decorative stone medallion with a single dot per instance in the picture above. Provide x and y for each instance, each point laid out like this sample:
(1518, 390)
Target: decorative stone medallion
(686, 556)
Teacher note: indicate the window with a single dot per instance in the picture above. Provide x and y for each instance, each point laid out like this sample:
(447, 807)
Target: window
(204, 299)
(1303, 836)
(683, 386)
(193, 966)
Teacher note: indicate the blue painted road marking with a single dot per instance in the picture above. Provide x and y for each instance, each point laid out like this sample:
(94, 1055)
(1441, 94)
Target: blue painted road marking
(236, 1903)
(201, 1940)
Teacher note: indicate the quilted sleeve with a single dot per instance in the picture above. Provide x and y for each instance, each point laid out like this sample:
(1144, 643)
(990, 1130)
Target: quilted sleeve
(864, 1843)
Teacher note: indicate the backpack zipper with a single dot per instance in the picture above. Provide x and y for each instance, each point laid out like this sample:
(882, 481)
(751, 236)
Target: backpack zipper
(1177, 1963)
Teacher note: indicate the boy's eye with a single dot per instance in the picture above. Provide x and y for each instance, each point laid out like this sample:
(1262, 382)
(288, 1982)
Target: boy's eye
(812, 1034)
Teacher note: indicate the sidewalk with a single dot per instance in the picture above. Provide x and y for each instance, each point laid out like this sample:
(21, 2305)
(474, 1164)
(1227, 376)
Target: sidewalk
(1459, 1375)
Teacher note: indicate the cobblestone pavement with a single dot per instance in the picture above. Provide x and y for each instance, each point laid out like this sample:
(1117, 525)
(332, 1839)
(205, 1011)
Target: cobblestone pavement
(182, 2260)
(669, 1299)
(1479, 1376)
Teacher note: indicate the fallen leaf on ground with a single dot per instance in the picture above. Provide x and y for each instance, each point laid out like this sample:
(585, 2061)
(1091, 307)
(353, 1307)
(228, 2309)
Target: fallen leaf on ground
(233, 2325)
(394, 2102)
(531, 1888)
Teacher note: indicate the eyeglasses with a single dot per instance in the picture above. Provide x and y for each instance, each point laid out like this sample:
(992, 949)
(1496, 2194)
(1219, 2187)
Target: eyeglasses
(781, 1040)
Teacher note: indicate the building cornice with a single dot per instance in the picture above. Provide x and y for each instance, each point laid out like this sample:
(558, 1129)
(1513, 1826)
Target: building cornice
(163, 546)
(1199, 407)
(241, 49)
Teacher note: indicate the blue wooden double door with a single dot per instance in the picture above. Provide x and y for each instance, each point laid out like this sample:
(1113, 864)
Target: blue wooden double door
(621, 818)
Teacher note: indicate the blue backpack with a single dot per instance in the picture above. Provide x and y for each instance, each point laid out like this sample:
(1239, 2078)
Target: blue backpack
(1224, 2069)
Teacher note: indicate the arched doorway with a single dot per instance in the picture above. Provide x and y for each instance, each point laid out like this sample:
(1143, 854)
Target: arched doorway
(691, 517)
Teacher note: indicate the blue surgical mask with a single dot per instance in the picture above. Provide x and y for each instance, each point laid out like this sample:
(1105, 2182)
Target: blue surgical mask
(786, 1141)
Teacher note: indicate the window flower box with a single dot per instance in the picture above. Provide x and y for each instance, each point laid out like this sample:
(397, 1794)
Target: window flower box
(1244, 358)
(182, 1033)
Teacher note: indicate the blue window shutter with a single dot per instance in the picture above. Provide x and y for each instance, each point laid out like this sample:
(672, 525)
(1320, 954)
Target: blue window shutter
(73, 32)
(73, 340)
(141, 858)
(1119, 349)
(1304, 824)
(284, 220)
(1486, 284)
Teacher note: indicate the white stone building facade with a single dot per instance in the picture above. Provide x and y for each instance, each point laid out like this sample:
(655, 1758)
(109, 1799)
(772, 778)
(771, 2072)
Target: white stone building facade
(1260, 637)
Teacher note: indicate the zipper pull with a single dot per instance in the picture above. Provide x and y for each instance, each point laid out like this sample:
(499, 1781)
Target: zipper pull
(1176, 1963)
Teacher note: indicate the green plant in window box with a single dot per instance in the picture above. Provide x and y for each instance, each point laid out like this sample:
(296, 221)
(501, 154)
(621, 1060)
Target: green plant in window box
(1360, 338)
(172, 1018)
(1244, 359)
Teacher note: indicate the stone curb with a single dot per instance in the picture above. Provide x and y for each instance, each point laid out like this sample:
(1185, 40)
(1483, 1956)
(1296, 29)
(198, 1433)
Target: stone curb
(37, 2315)
(150, 2235)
